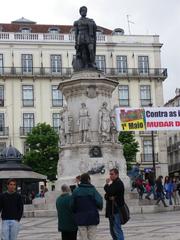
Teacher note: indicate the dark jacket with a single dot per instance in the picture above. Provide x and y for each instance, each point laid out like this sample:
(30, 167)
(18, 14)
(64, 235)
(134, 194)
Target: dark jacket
(65, 214)
(116, 190)
(85, 203)
(11, 206)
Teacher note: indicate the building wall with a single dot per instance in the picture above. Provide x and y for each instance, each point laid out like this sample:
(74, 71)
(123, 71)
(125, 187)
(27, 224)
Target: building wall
(109, 46)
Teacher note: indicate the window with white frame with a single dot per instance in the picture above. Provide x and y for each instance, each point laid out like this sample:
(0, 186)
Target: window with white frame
(121, 64)
(101, 62)
(56, 120)
(28, 121)
(1, 64)
(143, 64)
(56, 64)
(123, 95)
(1, 95)
(27, 63)
(28, 95)
(145, 95)
(57, 97)
(147, 148)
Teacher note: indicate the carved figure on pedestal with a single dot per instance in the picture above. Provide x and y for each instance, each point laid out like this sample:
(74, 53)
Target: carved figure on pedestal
(85, 41)
(104, 122)
(84, 123)
(113, 125)
(66, 127)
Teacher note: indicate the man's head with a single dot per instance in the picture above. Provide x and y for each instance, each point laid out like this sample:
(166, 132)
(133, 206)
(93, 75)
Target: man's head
(65, 188)
(85, 178)
(83, 11)
(114, 174)
(11, 185)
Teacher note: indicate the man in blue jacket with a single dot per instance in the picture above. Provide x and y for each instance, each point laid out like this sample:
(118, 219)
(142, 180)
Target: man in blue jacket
(85, 203)
(66, 224)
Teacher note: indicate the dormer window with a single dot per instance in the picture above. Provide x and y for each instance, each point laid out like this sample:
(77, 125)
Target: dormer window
(99, 32)
(54, 30)
(25, 30)
(118, 31)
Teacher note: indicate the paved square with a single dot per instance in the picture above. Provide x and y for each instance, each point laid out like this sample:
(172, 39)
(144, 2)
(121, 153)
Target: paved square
(157, 226)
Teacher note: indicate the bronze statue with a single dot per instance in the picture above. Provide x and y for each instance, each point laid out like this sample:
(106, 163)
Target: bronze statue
(85, 42)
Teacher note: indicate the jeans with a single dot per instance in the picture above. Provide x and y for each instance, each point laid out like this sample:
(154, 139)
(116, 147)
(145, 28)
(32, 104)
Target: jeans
(115, 227)
(10, 229)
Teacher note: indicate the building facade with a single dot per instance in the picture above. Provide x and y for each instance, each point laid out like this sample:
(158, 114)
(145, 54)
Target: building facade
(35, 58)
(173, 140)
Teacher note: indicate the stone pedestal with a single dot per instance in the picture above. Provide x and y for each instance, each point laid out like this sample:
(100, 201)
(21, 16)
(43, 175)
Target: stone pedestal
(94, 149)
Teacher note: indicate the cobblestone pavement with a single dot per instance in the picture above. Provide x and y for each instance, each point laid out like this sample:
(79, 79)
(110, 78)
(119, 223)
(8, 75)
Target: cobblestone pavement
(157, 226)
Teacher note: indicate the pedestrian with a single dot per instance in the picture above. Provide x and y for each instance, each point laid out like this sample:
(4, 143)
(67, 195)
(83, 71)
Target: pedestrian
(152, 184)
(114, 196)
(160, 191)
(86, 201)
(11, 208)
(66, 223)
(175, 192)
(170, 190)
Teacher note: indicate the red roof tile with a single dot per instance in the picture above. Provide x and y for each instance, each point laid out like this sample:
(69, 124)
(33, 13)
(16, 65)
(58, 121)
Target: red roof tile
(40, 28)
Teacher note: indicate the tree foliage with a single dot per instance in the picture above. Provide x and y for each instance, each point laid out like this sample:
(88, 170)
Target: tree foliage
(130, 147)
(43, 150)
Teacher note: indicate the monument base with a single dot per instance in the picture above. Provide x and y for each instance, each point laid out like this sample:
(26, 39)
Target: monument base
(78, 158)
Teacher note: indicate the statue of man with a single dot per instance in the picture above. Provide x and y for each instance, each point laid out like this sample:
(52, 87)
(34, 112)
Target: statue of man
(85, 41)
(66, 126)
(113, 125)
(84, 123)
(104, 122)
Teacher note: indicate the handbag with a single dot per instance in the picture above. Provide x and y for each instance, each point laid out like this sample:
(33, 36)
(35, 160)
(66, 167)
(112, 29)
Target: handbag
(124, 214)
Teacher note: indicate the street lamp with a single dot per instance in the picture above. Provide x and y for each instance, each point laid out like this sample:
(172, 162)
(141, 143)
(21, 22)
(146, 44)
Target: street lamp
(153, 154)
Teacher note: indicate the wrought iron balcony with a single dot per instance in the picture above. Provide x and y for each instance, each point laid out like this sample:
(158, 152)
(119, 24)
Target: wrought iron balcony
(25, 130)
(148, 157)
(174, 147)
(174, 167)
(67, 72)
(4, 132)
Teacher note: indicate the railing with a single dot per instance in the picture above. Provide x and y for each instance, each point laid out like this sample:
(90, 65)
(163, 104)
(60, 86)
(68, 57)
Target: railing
(174, 147)
(4, 131)
(148, 157)
(13, 36)
(111, 72)
(174, 167)
(146, 133)
(25, 130)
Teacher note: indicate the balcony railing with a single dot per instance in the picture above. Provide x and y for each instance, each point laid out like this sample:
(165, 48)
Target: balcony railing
(148, 157)
(25, 130)
(14, 36)
(66, 72)
(174, 147)
(147, 133)
(4, 132)
(174, 167)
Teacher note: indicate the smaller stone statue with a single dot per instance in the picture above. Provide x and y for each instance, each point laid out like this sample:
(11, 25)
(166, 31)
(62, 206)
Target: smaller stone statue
(84, 123)
(104, 123)
(66, 127)
(113, 125)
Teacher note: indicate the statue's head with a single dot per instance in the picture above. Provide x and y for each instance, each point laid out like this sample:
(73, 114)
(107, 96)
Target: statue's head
(83, 11)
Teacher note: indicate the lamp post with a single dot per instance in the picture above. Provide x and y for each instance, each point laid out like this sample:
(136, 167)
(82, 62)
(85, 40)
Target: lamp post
(153, 154)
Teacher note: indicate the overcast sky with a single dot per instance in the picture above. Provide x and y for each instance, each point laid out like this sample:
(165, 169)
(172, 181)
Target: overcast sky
(160, 17)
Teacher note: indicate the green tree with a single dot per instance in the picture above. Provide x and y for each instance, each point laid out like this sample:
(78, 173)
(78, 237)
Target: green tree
(43, 150)
(130, 147)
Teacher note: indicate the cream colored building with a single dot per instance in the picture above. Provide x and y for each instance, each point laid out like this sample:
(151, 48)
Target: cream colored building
(35, 58)
(173, 140)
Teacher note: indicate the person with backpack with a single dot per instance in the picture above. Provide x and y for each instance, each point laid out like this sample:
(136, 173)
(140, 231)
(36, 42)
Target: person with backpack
(86, 201)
